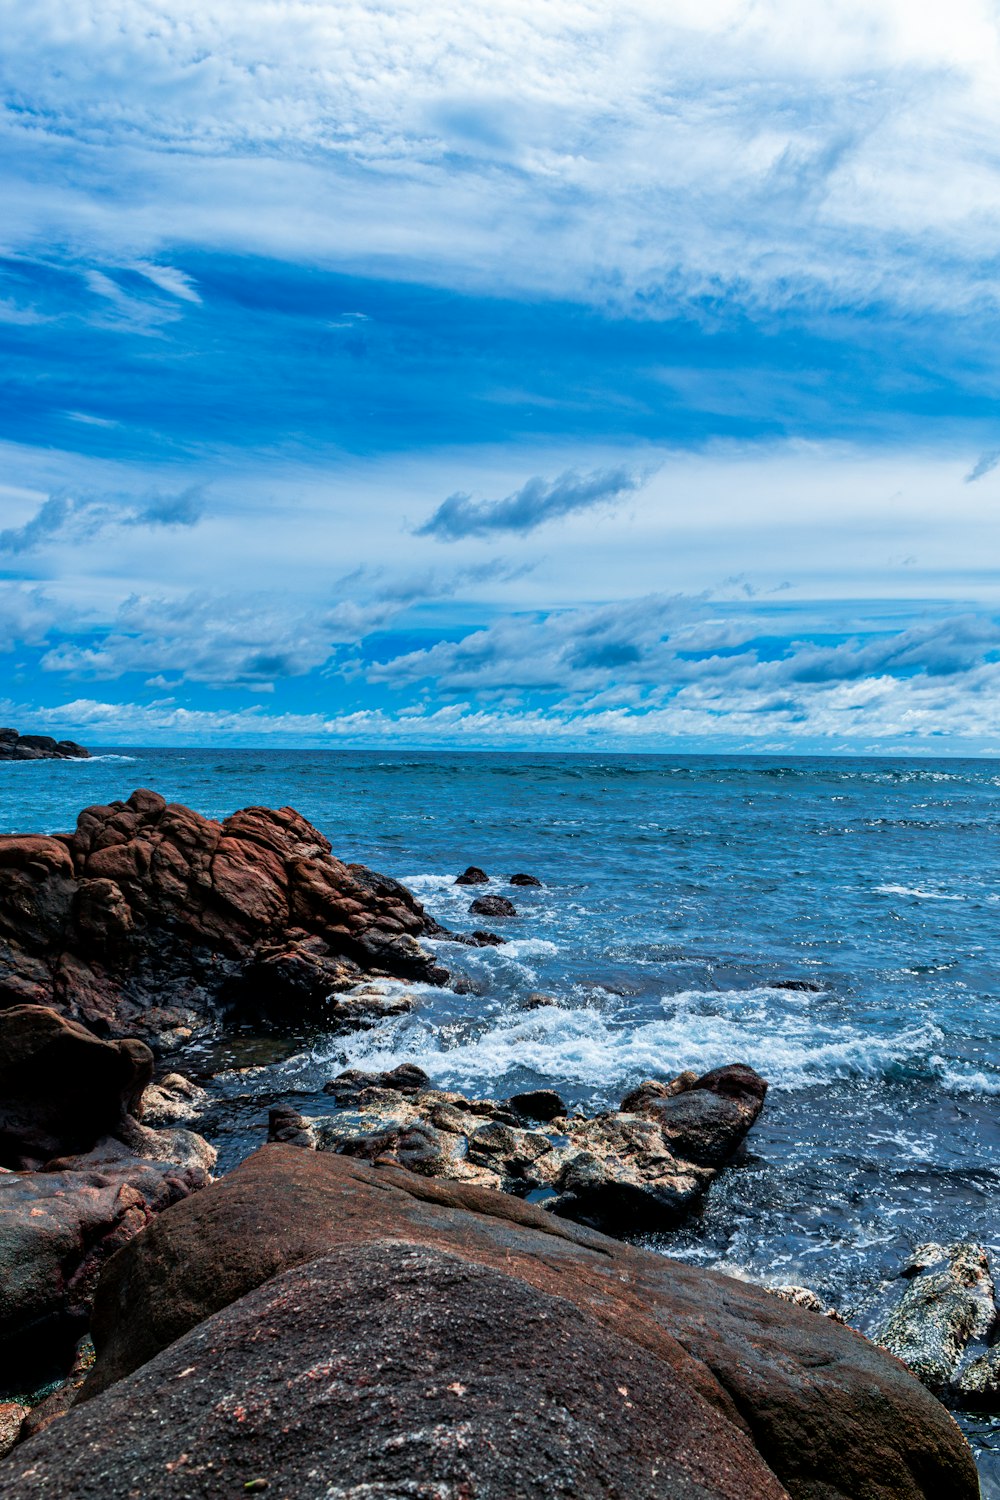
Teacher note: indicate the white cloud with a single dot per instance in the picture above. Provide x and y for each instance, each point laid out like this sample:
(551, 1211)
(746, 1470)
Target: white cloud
(782, 152)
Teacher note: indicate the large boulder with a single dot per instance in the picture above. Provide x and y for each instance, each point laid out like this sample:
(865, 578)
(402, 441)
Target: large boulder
(643, 1166)
(57, 1230)
(829, 1414)
(395, 1370)
(62, 1089)
(149, 918)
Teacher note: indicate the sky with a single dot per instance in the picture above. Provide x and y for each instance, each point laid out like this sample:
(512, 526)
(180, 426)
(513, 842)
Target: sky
(545, 375)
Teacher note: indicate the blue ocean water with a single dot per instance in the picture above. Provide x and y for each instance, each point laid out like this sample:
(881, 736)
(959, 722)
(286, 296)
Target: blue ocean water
(680, 894)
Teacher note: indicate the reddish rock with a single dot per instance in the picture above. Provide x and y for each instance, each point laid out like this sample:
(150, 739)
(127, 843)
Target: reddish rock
(795, 1400)
(149, 907)
(61, 1088)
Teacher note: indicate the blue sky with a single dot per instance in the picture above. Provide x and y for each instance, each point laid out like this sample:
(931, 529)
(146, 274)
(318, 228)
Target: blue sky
(555, 375)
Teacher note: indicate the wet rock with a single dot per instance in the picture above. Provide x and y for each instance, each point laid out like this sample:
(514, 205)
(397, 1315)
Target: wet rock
(12, 1414)
(804, 1296)
(57, 1229)
(808, 985)
(175, 1100)
(286, 1125)
(943, 1316)
(621, 1171)
(522, 879)
(493, 906)
(472, 876)
(14, 746)
(977, 1383)
(61, 1088)
(538, 1104)
(481, 1405)
(150, 919)
(483, 939)
(422, 1291)
(536, 1000)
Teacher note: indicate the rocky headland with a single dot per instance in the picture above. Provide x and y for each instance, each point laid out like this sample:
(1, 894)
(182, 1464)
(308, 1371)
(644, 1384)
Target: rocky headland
(14, 746)
(406, 1292)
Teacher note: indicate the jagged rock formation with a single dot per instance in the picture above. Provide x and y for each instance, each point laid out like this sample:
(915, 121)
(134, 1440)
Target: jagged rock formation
(643, 1166)
(14, 746)
(150, 919)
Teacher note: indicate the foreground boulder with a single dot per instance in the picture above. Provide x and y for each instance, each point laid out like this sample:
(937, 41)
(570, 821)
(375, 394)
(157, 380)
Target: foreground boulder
(150, 918)
(14, 746)
(643, 1166)
(718, 1371)
(57, 1230)
(395, 1370)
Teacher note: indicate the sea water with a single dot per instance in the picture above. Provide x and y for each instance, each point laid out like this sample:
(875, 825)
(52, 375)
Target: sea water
(680, 896)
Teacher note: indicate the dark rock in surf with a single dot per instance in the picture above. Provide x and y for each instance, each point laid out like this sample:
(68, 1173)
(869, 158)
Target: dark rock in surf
(942, 1319)
(151, 919)
(538, 1104)
(472, 876)
(14, 746)
(500, 1314)
(522, 879)
(808, 985)
(493, 906)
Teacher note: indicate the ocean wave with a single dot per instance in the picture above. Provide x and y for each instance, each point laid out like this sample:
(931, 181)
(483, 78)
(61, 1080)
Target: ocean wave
(594, 1048)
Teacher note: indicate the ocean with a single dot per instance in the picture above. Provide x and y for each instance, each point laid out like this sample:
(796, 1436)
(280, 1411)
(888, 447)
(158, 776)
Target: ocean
(681, 894)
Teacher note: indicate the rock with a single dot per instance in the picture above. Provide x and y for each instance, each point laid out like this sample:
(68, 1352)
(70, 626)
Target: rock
(472, 876)
(152, 920)
(12, 1414)
(708, 1120)
(538, 1104)
(493, 906)
(61, 1088)
(536, 1000)
(14, 746)
(416, 1288)
(977, 1384)
(804, 1296)
(522, 879)
(57, 1229)
(175, 1100)
(404, 1370)
(808, 985)
(947, 1309)
(619, 1171)
(483, 939)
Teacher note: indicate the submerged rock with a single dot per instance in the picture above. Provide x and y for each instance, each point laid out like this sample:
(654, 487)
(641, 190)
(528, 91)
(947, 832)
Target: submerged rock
(643, 1167)
(941, 1320)
(152, 919)
(14, 746)
(444, 1340)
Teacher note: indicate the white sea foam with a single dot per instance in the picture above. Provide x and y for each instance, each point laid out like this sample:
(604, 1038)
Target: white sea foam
(918, 891)
(596, 1048)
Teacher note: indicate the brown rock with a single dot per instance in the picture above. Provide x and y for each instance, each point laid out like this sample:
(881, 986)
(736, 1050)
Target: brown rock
(149, 906)
(493, 906)
(828, 1414)
(61, 1088)
(472, 876)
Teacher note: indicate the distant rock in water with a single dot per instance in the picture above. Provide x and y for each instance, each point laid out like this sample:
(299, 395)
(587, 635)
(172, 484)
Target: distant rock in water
(14, 746)
(472, 876)
(151, 920)
(493, 906)
(522, 879)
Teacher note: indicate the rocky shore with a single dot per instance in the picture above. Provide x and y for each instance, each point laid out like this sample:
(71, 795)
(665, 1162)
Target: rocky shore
(14, 746)
(406, 1292)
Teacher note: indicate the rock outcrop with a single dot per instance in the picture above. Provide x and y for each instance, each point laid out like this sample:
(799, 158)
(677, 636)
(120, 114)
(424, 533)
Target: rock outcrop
(643, 1166)
(151, 919)
(943, 1322)
(435, 1321)
(14, 746)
